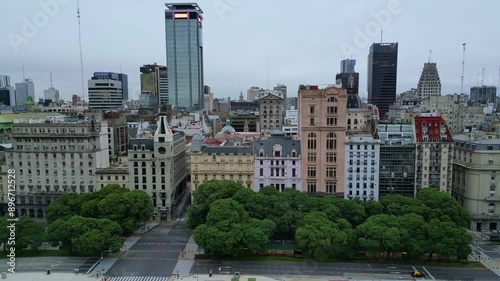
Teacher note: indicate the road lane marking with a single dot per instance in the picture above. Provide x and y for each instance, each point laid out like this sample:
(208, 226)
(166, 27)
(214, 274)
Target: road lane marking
(429, 273)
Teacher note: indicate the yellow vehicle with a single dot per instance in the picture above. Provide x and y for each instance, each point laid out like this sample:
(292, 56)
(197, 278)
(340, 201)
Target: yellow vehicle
(417, 274)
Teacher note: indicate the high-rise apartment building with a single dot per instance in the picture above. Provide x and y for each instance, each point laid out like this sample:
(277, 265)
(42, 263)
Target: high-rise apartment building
(382, 76)
(24, 90)
(184, 29)
(434, 152)
(322, 134)
(46, 169)
(105, 91)
(397, 160)
(349, 80)
(361, 168)
(51, 94)
(163, 86)
(483, 95)
(429, 83)
(8, 96)
(253, 93)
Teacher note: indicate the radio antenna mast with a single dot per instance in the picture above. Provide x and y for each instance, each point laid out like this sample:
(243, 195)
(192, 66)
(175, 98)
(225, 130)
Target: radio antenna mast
(463, 70)
(80, 43)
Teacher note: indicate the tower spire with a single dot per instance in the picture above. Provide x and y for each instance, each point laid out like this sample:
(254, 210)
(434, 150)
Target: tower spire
(51, 80)
(430, 55)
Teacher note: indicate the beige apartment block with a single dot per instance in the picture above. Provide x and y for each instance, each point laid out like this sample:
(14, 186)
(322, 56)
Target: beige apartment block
(322, 133)
(476, 177)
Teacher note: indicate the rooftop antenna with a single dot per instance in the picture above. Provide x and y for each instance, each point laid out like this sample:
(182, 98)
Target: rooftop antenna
(381, 36)
(463, 70)
(430, 55)
(268, 66)
(482, 78)
(51, 80)
(80, 43)
(498, 86)
(23, 70)
(120, 66)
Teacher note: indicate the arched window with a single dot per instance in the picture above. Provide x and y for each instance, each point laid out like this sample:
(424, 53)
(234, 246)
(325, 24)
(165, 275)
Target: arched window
(331, 141)
(311, 141)
(332, 99)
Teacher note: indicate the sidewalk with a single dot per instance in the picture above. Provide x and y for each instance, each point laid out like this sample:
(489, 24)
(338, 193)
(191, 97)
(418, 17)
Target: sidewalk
(44, 277)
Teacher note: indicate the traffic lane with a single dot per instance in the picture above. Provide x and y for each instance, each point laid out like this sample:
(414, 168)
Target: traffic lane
(312, 268)
(142, 267)
(461, 273)
(41, 264)
(151, 255)
(305, 268)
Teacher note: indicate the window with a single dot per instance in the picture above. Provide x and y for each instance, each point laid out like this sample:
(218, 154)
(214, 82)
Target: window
(261, 172)
(311, 187)
(311, 109)
(294, 172)
(311, 141)
(331, 121)
(311, 121)
(311, 157)
(331, 157)
(331, 172)
(311, 172)
(491, 208)
(332, 99)
(331, 141)
(332, 110)
(331, 187)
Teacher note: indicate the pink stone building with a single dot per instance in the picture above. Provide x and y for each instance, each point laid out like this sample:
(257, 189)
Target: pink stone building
(322, 133)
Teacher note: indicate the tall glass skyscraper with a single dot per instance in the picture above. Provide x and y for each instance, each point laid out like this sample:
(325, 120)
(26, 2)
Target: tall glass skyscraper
(183, 28)
(382, 76)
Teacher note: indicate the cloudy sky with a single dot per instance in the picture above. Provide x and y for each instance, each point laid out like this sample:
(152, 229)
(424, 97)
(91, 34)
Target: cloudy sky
(305, 40)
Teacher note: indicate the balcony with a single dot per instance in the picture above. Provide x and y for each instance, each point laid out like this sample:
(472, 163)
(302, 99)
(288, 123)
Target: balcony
(493, 198)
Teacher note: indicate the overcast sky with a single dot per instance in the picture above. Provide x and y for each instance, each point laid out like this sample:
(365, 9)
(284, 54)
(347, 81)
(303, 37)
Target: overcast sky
(305, 41)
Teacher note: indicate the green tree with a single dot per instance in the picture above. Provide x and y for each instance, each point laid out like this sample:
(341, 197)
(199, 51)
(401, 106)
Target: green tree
(225, 226)
(319, 236)
(398, 205)
(203, 197)
(442, 206)
(352, 210)
(65, 207)
(28, 234)
(380, 233)
(373, 208)
(447, 240)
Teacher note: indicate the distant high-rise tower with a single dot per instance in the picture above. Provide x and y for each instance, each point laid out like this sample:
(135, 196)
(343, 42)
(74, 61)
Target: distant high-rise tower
(349, 79)
(4, 81)
(24, 90)
(429, 83)
(282, 89)
(382, 76)
(154, 80)
(105, 91)
(183, 28)
(483, 95)
(51, 93)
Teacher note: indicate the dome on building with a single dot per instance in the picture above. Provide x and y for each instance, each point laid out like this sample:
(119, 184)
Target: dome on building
(354, 101)
(228, 128)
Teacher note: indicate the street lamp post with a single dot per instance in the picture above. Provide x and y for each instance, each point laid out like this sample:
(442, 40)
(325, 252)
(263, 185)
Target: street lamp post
(102, 257)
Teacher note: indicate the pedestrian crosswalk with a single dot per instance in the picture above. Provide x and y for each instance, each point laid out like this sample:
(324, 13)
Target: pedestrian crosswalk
(138, 278)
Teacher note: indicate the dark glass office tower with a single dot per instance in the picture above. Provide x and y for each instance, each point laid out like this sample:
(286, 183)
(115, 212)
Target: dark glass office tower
(183, 28)
(382, 76)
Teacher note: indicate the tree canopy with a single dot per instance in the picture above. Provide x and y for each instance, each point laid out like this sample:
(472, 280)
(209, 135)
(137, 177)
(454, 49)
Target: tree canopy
(118, 204)
(229, 219)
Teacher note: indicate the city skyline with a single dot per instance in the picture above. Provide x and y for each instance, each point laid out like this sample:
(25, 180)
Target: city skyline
(235, 57)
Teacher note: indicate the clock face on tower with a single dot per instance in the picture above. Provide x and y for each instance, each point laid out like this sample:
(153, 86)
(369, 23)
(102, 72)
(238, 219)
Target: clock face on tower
(162, 150)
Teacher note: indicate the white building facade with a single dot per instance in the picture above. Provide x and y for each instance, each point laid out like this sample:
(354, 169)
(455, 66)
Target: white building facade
(362, 154)
(277, 162)
(53, 157)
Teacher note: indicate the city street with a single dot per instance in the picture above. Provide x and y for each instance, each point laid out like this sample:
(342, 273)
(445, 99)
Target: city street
(283, 270)
(56, 264)
(155, 254)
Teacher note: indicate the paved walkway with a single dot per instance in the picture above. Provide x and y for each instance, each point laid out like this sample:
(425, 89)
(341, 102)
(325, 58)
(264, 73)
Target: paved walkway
(38, 276)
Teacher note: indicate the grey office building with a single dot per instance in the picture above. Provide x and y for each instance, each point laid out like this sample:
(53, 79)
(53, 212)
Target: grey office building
(24, 90)
(183, 29)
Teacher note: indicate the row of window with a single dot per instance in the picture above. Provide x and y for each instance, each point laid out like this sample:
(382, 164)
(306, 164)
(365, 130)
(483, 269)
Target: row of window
(330, 187)
(330, 121)
(331, 172)
(331, 141)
